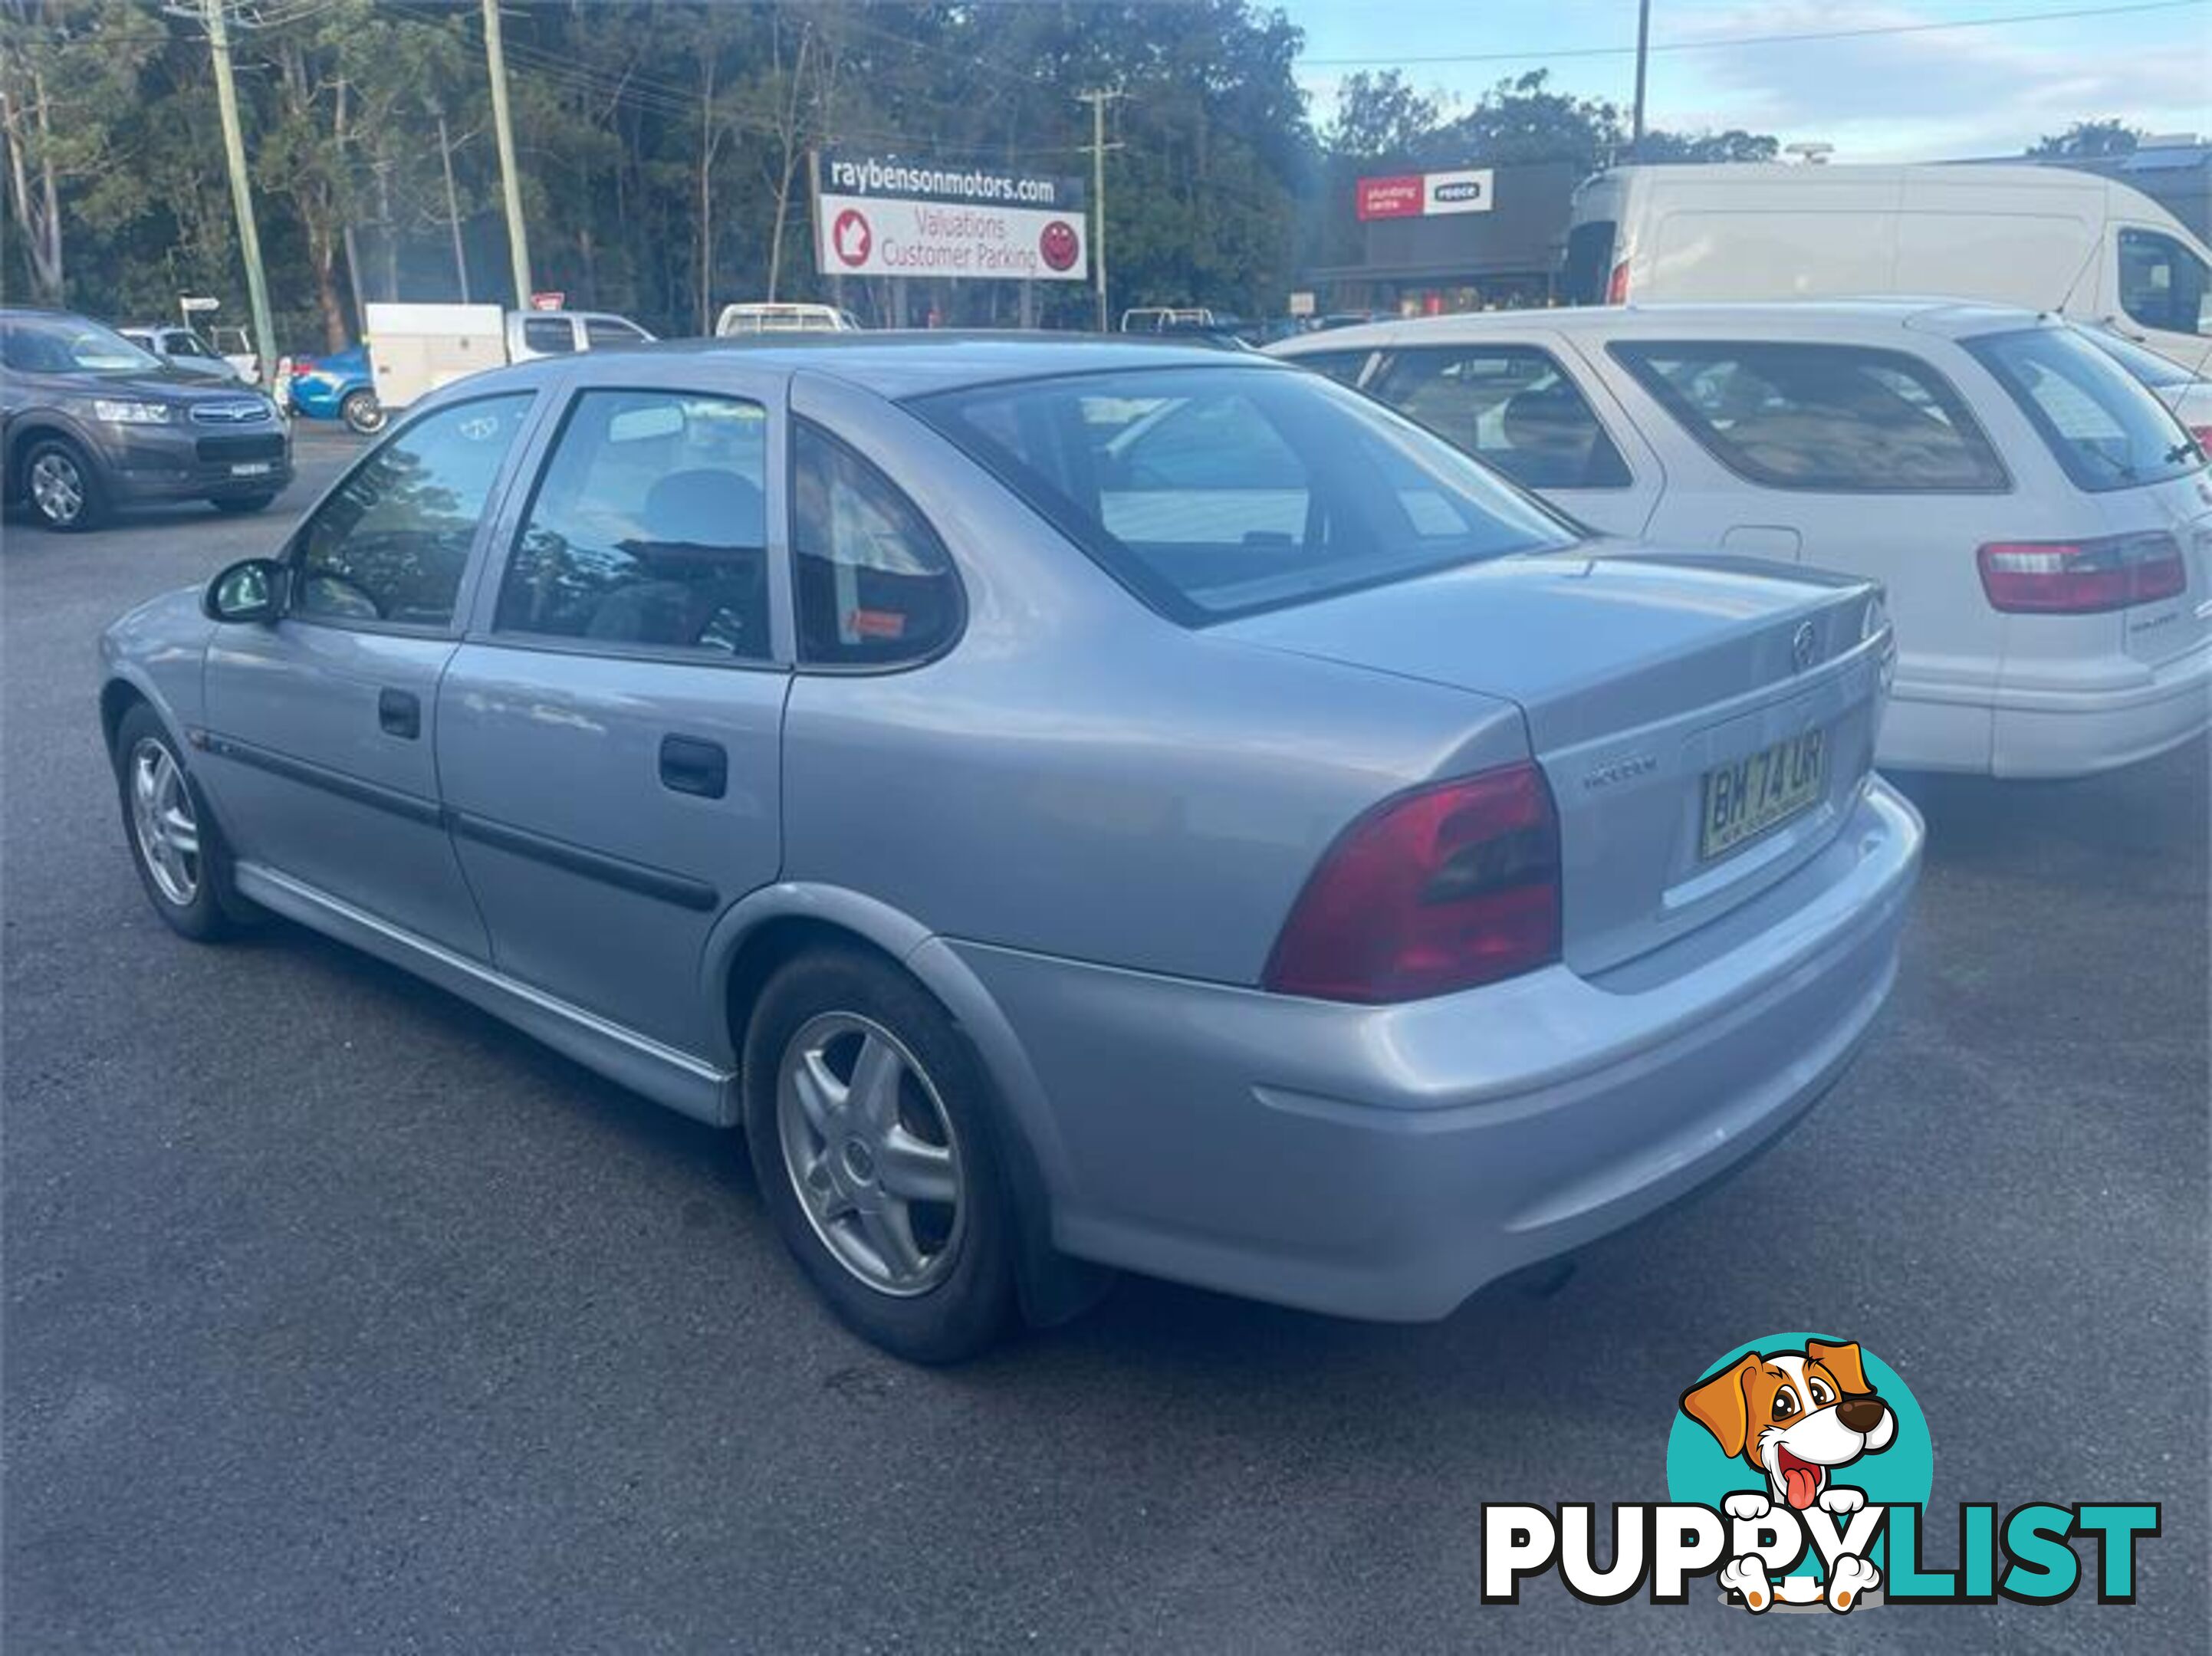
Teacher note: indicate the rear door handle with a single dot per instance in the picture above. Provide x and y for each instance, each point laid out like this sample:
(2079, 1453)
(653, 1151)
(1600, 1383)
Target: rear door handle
(399, 713)
(689, 765)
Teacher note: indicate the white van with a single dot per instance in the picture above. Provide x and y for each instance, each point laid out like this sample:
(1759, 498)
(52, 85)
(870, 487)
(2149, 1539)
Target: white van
(2042, 237)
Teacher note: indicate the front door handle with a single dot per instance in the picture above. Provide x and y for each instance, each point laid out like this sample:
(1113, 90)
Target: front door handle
(399, 713)
(689, 765)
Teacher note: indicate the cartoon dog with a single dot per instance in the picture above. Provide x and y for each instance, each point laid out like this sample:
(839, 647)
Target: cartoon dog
(1794, 1417)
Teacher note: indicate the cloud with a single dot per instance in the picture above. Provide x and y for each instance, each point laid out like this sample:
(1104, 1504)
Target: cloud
(1896, 97)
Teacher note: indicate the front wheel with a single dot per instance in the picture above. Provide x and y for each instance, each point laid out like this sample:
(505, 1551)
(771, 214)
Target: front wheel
(178, 849)
(361, 412)
(64, 491)
(873, 1140)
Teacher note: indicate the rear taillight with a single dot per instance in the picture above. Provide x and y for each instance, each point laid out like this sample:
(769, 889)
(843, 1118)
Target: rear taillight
(2203, 436)
(302, 366)
(1616, 289)
(2081, 578)
(1438, 890)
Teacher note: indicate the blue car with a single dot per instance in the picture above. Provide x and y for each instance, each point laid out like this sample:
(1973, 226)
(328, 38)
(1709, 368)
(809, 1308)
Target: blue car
(337, 388)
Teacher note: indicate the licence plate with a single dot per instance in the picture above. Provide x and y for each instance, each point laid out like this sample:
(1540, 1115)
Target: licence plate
(250, 469)
(1745, 799)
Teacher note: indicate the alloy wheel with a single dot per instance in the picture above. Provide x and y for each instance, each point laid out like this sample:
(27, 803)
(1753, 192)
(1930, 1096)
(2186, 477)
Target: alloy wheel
(167, 830)
(871, 1153)
(56, 487)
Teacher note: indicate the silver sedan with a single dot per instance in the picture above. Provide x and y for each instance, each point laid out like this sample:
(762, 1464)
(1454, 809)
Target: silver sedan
(1076, 805)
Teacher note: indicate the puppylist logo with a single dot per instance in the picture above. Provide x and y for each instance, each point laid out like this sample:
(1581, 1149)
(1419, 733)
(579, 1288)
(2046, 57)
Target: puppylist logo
(1798, 1472)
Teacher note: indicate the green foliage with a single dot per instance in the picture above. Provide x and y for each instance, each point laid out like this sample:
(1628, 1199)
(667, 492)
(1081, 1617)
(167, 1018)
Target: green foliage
(2088, 141)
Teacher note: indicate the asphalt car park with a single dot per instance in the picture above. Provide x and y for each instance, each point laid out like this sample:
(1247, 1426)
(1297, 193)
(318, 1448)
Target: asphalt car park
(340, 1317)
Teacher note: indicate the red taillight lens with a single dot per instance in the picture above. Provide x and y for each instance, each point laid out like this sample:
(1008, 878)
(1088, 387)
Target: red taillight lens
(2203, 436)
(301, 365)
(1616, 290)
(2081, 578)
(1441, 888)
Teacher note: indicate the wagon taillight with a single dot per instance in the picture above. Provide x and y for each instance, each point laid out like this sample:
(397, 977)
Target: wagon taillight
(2082, 578)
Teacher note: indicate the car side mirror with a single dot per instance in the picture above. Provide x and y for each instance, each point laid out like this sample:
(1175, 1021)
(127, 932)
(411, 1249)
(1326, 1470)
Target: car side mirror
(250, 591)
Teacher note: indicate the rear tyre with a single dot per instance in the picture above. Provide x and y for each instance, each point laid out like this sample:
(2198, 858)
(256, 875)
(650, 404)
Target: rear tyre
(239, 506)
(64, 489)
(875, 1142)
(180, 853)
(363, 413)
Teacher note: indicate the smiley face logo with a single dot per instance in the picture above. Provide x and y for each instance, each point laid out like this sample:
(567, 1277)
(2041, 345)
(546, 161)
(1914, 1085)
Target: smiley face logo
(1058, 246)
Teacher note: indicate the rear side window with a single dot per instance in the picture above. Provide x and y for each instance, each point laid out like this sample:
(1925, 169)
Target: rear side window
(1510, 406)
(2162, 284)
(649, 528)
(2106, 430)
(876, 586)
(1343, 366)
(1213, 493)
(1841, 419)
(1589, 263)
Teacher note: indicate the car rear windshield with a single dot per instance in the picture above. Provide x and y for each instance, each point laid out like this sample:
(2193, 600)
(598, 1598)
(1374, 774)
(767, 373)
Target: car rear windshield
(1835, 419)
(1216, 491)
(2106, 430)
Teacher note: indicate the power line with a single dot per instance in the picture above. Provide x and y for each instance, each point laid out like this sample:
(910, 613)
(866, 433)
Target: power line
(1718, 42)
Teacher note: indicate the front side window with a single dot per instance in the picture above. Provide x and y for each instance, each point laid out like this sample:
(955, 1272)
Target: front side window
(648, 528)
(2163, 285)
(391, 544)
(876, 586)
(188, 344)
(1840, 418)
(549, 334)
(2106, 428)
(611, 333)
(1215, 492)
(1509, 405)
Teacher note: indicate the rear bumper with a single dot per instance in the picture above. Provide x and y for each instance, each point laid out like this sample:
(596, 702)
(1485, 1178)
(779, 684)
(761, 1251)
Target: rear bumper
(1388, 1161)
(2068, 731)
(2117, 712)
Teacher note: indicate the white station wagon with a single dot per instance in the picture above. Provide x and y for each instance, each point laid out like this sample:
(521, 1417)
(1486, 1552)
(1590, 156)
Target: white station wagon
(2042, 523)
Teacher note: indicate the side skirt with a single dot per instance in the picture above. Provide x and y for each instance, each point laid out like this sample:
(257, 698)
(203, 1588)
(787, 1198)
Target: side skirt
(685, 1083)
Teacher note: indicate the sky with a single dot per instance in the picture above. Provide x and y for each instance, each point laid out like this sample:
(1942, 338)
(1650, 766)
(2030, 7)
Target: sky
(1928, 96)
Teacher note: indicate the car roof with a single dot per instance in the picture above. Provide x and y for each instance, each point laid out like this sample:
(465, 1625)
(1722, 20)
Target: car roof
(1809, 319)
(896, 364)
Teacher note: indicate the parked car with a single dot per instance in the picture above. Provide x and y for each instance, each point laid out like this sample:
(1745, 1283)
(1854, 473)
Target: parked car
(89, 421)
(183, 350)
(1273, 854)
(781, 317)
(2188, 395)
(2043, 238)
(335, 387)
(236, 347)
(1167, 318)
(2043, 526)
(533, 334)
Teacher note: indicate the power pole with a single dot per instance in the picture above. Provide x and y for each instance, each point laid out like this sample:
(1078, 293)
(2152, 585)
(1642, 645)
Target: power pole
(510, 180)
(1099, 148)
(452, 208)
(241, 193)
(1642, 53)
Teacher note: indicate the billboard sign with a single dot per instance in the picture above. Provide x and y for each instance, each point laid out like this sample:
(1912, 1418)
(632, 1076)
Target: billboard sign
(882, 216)
(1425, 195)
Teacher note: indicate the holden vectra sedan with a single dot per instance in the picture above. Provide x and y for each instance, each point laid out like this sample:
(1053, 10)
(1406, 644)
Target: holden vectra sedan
(1057, 849)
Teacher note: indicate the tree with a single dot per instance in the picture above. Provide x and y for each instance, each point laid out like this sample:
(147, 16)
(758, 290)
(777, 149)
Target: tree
(1379, 115)
(2088, 141)
(1733, 145)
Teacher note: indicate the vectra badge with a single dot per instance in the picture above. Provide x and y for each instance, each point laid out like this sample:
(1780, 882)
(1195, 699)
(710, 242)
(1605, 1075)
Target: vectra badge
(1804, 646)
